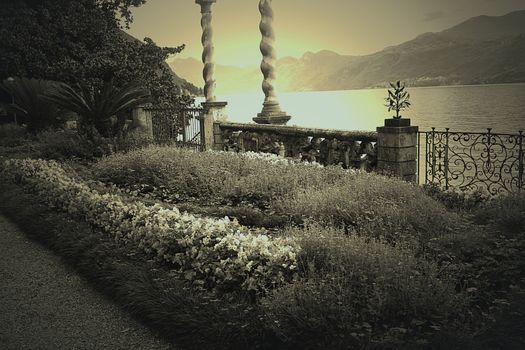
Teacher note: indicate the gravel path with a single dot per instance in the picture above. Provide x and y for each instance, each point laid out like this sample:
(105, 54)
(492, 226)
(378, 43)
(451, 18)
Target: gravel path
(46, 305)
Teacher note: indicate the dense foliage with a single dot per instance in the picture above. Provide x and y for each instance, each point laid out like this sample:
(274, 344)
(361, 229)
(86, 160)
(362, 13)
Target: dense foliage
(29, 106)
(99, 110)
(216, 254)
(82, 41)
(315, 285)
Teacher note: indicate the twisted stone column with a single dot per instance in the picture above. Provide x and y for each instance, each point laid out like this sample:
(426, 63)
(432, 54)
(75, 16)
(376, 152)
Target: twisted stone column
(207, 53)
(271, 112)
(212, 110)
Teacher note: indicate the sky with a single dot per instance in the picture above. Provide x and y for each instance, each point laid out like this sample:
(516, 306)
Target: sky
(352, 27)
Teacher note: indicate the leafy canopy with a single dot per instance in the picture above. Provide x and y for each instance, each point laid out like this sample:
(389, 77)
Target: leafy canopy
(74, 41)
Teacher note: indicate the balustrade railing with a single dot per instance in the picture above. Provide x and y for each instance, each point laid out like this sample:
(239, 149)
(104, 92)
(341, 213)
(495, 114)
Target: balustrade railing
(489, 162)
(351, 149)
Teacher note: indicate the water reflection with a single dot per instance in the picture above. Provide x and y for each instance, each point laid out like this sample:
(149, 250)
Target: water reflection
(464, 108)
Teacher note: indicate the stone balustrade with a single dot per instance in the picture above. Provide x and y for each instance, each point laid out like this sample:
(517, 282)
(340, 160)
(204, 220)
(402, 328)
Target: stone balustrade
(351, 149)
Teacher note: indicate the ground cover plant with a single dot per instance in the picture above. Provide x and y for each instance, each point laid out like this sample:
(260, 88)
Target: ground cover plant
(370, 262)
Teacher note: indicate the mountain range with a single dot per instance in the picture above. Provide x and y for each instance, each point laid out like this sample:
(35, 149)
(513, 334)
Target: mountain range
(480, 50)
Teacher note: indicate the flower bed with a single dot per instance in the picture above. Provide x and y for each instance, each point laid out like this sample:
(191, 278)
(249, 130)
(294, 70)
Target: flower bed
(214, 254)
(283, 190)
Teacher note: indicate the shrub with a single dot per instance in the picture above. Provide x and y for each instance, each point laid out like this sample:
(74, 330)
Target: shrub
(453, 199)
(12, 135)
(131, 141)
(30, 105)
(365, 203)
(505, 214)
(487, 263)
(375, 206)
(65, 144)
(171, 173)
(353, 291)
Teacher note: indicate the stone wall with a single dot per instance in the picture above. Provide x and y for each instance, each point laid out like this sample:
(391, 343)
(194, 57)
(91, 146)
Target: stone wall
(350, 149)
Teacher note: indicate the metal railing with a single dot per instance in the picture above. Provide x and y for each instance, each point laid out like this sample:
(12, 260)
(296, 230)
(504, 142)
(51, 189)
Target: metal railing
(488, 162)
(181, 127)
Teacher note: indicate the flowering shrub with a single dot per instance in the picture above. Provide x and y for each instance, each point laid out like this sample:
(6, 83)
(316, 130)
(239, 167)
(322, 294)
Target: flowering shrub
(215, 254)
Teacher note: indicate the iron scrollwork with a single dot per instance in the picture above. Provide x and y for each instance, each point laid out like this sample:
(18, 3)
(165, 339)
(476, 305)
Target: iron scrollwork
(486, 162)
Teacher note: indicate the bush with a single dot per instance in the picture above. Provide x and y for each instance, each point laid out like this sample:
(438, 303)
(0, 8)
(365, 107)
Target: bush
(368, 204)
(374, 206)
(132, 141)
(171, 174)
(65, 144)
(505, 214)
(12, 135)
(353, 291)
(488, 264)
(457, 200)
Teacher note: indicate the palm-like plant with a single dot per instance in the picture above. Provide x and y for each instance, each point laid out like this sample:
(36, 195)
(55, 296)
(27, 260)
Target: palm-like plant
(30, 104)
(96, 108)
(398, 99)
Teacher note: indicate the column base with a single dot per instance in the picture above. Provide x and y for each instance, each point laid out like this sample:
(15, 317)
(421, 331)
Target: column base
(272, 114)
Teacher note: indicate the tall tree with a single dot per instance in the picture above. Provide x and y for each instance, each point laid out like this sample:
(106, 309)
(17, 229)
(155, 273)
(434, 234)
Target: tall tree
(76, 41)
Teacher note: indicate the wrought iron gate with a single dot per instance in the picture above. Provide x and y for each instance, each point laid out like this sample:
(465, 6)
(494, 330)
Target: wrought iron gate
(487, 162)
(179, 127)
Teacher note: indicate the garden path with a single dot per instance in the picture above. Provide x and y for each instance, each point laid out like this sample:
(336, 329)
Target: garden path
(46, 305)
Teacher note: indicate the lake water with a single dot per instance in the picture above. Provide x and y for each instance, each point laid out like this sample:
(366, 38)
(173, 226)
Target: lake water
(460, 108)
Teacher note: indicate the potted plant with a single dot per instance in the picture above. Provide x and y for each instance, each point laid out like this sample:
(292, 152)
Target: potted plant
(398, 99)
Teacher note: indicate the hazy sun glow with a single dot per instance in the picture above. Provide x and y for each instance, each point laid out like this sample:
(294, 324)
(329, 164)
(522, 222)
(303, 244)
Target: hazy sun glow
(242, 50)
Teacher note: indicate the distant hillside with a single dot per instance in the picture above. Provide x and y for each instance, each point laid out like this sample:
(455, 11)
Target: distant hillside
(481, 50)
(483, 28)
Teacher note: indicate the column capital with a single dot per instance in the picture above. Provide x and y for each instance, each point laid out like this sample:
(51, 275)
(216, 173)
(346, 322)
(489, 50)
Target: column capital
(205, 5)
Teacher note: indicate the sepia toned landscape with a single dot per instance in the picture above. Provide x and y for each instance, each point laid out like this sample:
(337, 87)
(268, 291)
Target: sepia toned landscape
(258, 174)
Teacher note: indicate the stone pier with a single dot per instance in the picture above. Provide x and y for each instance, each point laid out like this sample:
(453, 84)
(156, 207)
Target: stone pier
(397, 149)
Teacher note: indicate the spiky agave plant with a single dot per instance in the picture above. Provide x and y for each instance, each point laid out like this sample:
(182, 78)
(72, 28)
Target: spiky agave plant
(398, 99)
(97, 107)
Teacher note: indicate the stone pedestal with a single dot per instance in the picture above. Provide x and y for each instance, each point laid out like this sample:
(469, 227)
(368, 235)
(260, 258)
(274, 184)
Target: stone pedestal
(271, 114)
(213, 111)
(142, 123)
(397, 149)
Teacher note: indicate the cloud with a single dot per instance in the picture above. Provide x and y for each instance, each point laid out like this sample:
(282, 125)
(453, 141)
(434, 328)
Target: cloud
(432, 16)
